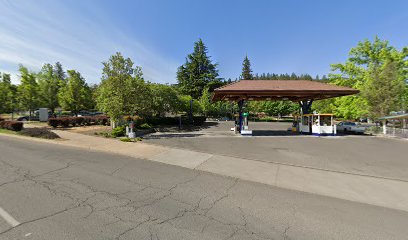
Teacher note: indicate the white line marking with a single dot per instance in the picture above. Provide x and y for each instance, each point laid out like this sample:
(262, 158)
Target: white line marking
(9, 219)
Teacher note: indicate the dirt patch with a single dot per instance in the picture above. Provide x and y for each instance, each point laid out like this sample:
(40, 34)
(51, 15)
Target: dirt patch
(90, 130)
(39, 133)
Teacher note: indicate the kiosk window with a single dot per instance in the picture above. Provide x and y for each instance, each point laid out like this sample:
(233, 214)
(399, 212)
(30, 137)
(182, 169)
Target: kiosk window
(325, 121)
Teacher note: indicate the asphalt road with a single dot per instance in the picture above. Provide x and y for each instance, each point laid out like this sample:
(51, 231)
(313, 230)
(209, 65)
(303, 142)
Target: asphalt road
(367, 155)
(55, 192)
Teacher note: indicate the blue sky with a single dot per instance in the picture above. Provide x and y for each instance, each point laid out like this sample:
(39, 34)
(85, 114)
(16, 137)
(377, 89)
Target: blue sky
(278, 36)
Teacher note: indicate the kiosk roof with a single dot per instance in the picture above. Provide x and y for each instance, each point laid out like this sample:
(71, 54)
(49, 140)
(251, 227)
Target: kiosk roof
(294, 90)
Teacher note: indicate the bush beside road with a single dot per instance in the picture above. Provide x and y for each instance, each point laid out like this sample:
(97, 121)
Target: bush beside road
(11, 125)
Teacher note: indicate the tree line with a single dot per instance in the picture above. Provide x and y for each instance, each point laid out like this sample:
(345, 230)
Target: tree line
(51, 87)
(377, 69)
(380, 72)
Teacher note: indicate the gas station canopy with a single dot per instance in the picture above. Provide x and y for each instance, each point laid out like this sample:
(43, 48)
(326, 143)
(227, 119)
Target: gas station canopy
(293, 90)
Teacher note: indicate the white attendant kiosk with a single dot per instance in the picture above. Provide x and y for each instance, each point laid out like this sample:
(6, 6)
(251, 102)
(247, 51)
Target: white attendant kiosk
(43, 114)
(317, 124)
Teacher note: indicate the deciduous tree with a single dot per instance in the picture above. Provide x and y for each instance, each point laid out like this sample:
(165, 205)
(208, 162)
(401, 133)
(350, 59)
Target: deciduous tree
(123, 90)
(28, 90)
(379, 71)
(49, 85)
(7, 93)
(164, 99)
(75, 95)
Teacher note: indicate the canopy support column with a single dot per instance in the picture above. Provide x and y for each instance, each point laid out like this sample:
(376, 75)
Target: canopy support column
(240, 106)
(305, 106)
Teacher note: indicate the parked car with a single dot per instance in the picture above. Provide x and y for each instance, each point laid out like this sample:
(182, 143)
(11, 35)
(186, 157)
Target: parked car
(88, 113)
(35, 116)
(27, 118)
(351, 127)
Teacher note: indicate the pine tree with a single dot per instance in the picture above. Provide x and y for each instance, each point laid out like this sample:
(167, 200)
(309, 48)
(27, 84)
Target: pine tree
(246, 69)
(59, 72)
(197, 72)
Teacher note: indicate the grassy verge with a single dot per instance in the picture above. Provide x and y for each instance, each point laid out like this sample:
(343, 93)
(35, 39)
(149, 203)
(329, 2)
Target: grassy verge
(32, 132)
(5, 131)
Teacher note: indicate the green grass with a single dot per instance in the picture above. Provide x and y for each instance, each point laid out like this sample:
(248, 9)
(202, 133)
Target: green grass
(5, 131)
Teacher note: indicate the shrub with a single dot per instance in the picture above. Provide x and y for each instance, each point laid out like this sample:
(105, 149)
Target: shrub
(106, 134)
(78, 121)
(199, 120)
(39, 133)
(65, 121)
(163, 120)
(53, 122)
(172, 121)
(126, 139)
(137, 120)
(145, 126)
(101, 120)
(118, 131)
(11, 125)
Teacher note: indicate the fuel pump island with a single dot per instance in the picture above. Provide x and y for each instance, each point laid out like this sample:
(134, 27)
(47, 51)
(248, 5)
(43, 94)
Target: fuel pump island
(304, 92)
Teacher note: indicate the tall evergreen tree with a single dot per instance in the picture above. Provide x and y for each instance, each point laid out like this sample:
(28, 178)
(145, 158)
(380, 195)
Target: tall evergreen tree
(197, 72)
(59, 72)
(246, 69)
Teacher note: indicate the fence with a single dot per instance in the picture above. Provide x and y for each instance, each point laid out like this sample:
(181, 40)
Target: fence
(397, 132)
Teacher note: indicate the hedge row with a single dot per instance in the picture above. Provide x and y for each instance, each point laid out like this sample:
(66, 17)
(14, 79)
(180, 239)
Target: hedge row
(270, 119)
(139, 121)
(78, 121)
(197, 120)
(11, 125)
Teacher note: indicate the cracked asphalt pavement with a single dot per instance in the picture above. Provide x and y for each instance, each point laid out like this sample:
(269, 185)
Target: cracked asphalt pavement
(58, 192)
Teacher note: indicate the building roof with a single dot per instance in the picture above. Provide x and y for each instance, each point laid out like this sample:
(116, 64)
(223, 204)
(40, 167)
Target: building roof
(294, 90)
(401, 116)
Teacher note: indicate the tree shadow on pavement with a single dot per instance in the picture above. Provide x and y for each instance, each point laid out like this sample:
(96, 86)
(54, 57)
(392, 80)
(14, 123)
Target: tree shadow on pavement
(186, 128)
(172, 135)
(273, 133)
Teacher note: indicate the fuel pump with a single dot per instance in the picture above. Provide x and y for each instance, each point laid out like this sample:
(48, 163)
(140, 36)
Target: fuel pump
(244, 127)
(236, 127)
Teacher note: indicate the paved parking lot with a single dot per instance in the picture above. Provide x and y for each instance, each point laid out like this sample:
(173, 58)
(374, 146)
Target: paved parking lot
(368, 155)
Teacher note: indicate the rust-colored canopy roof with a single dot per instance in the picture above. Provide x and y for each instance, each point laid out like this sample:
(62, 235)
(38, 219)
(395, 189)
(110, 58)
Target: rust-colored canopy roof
(294, 90)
